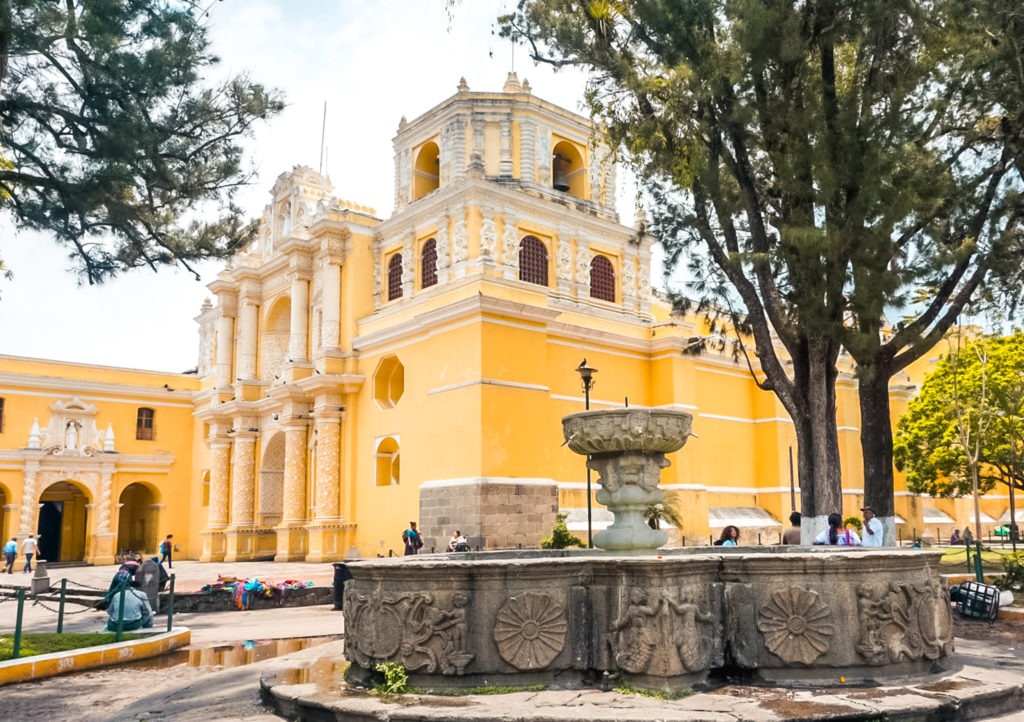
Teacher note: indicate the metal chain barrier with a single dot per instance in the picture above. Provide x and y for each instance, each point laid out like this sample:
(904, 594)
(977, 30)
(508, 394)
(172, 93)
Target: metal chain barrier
(38, 603)
(87, 586)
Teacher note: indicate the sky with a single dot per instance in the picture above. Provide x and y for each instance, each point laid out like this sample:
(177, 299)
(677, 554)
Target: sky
(372, 62)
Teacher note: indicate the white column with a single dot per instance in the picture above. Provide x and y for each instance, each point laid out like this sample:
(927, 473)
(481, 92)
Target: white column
(330, 334)
(300, 321)
(247, 341)
(225, 342)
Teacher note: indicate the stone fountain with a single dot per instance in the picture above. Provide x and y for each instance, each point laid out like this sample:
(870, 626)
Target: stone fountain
(658, 618)
(627, 448)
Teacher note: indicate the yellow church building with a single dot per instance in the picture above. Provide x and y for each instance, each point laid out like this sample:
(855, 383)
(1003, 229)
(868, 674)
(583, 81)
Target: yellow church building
(354, 373)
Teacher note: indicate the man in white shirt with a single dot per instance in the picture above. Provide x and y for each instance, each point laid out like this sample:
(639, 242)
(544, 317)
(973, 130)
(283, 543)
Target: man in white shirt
(28, 548)
(873, 532)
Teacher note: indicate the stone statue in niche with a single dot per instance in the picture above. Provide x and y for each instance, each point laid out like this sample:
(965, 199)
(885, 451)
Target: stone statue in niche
(71, 435)
(659, 636)
(903, 622)
(411, 628)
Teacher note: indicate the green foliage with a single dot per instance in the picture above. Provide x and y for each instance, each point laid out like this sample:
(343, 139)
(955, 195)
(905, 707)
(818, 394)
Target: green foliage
(855, 522)
(483, 690)
(1013, 579)
(32, 644)
(627, 688)
(561, 537)
(668, 509)
(986, 380)
(396, 679)
(115, 142)
(809, 161)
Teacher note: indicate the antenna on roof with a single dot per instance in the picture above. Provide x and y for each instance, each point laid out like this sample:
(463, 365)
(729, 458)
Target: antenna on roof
(323, 129)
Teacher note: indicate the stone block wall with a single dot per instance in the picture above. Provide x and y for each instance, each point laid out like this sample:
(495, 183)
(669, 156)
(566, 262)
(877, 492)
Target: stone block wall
(492, 513)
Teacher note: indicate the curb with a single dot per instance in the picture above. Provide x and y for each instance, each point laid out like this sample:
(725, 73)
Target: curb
(75, 660)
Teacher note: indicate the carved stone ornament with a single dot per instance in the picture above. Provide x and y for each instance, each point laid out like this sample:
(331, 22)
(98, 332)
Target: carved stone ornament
(460, 242)
(796, 627)
(656, 635)
(564, 266)
(530, 630)
(71, 430)
(488, 238)
(510, 245)
(411, 628)
(901, 622)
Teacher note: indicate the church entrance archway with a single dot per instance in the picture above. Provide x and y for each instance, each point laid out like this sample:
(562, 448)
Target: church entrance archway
(62, 523)
(136, 524)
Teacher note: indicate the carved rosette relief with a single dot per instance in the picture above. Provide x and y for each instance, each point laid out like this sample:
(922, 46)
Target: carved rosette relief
(901, 622)
(796, 625)
(415, 629)
(530, 630)
(655, 634)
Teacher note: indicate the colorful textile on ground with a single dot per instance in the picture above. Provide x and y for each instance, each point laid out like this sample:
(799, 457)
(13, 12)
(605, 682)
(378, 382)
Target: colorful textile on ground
(244, 591)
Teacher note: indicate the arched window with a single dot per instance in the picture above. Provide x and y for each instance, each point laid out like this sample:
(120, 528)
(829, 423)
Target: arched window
(428, 264)
(533, 261)
(395, 277)
(426, 173)
(388, 462)
(144, 424)
(602, 279)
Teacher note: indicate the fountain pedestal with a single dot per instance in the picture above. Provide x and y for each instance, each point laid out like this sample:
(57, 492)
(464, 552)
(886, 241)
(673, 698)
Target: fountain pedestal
(627, 448)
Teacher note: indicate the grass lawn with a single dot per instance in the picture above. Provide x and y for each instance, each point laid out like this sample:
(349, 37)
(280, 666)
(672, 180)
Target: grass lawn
(990, 558)
(46, 643)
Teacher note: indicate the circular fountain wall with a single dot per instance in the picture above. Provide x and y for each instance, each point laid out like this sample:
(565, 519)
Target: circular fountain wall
(783, 614)
(661, 619)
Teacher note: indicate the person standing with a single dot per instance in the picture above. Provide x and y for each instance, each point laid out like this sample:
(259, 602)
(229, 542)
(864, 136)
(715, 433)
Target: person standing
(411, 539)
(836, 535)
(873, 532)
(28, 548)
(166, 547)
(792, 535)
(10, 552)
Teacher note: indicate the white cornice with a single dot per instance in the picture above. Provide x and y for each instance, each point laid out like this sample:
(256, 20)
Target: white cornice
(82, 389)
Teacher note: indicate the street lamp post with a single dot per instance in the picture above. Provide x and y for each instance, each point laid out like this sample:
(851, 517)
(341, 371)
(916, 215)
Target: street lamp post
(587, 377)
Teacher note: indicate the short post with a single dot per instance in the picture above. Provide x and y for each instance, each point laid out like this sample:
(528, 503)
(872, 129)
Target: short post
(60, 610)
(977, 563)
(170, 604)
(899, 536)
(16, 652)
(120, 612)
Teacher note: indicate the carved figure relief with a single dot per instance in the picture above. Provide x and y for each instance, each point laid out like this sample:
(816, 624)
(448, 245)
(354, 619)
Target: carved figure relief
(488, 238)
(443, 252)
(903, 622)
(564, 268)
(659, 636)
(530, 630)
(628, 278)
(412, 628)
(583, 258)
(510, 245)
(796, 625)
(460, 243)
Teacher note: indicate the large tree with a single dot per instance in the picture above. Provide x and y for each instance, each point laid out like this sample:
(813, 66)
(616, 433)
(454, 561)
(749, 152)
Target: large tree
(966, 427)
(819, 164)
(117, 142)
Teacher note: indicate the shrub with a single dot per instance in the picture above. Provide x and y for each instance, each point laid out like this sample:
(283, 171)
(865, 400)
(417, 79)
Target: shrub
(561, 537)
(396, 679)
(1014, 577)
(855, 522)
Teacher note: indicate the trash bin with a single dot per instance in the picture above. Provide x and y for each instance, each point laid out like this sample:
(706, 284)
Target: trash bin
(341, 575)
(977, 600)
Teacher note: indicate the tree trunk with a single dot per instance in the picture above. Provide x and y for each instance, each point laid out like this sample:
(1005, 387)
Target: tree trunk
(821, 490)
(876, 447)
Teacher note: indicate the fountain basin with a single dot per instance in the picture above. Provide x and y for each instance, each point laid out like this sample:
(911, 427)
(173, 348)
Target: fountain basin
(779, 614)
(617, 430)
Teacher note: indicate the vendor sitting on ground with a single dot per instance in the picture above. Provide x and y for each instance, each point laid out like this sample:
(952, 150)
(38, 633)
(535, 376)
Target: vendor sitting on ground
(458, 543)
(137, 612)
